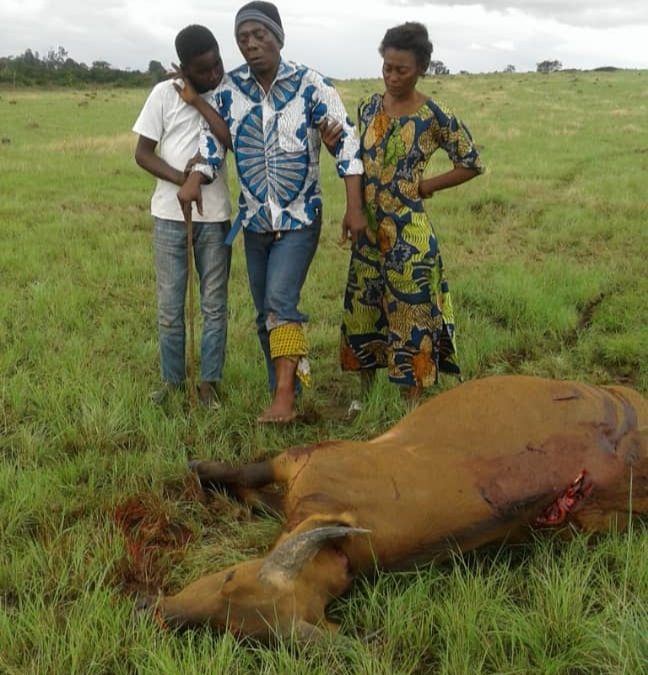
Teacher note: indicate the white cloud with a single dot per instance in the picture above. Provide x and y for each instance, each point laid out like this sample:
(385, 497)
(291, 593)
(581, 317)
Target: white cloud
(18, 8)
(341, 37)
(594, 13)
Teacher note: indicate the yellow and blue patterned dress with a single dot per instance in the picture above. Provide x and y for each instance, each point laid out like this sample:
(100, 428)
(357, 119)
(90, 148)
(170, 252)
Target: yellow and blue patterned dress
(397, 308)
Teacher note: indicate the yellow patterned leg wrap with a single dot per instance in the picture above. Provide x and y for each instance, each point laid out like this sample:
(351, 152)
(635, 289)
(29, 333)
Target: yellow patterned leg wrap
(289, 341)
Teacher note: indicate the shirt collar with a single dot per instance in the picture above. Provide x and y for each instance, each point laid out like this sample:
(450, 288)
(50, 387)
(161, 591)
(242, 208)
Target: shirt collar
(285, 70)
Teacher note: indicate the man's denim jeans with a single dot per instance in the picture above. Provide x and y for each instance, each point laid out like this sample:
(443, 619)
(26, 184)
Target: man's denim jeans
(277, 268)
(213, 264)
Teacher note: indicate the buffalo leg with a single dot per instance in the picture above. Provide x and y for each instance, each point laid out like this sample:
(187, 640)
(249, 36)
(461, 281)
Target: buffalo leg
(220, 473)
(248, 483)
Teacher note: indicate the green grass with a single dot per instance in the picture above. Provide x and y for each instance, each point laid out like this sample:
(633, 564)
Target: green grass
(546, 256)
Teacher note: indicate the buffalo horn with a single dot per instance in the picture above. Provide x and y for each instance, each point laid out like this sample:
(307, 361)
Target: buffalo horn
(287, 559)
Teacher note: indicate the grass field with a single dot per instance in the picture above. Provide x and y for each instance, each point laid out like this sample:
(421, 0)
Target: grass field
(546, 255)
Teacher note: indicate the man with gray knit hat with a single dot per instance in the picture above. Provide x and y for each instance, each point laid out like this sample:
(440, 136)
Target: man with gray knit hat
(273, 110)
(264, 12)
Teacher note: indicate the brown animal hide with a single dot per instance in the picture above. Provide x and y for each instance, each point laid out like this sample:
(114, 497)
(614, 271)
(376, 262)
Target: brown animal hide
(487, 461)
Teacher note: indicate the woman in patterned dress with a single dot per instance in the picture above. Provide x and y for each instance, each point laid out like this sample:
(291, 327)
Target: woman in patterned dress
(397, 309)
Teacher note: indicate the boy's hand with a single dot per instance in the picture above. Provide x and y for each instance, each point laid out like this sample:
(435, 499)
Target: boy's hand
(191, 192)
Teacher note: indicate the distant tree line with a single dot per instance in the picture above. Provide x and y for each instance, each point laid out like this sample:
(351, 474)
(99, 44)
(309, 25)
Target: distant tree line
(439, 68)
(58, 69)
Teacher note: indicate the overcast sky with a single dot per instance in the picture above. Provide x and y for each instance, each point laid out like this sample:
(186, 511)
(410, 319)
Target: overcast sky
(340, 37)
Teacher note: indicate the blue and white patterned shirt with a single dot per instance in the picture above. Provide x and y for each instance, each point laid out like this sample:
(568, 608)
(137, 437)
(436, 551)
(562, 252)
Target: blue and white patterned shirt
(276, 144)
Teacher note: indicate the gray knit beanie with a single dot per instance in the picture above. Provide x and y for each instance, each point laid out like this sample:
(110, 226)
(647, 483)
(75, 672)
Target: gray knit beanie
(263, 12)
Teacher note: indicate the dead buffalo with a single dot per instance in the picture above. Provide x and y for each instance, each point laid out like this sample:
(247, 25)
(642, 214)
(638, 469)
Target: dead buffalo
(507, 455)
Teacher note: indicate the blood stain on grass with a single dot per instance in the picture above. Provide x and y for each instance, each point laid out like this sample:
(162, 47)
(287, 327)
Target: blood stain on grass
(154, 540)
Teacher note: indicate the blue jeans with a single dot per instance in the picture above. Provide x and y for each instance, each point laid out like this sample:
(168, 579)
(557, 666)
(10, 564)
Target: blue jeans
(213, 264)
(277, 268)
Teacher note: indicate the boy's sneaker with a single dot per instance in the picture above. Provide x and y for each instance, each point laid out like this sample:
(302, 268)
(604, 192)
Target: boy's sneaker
(209, 395)
(354, 408)
(160, 396)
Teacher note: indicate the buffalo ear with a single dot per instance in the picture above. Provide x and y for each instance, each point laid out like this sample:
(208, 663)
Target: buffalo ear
(308, 633)
(285, 562)
(633, 447)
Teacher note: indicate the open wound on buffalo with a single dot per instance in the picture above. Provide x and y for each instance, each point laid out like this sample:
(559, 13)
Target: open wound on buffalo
(557, 512)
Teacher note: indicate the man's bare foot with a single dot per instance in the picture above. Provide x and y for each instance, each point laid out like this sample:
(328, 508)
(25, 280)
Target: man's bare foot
(282, 409)
(272, 416)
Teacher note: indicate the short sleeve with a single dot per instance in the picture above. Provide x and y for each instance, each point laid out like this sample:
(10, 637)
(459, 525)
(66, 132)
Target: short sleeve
(150, 122)
(455, 138)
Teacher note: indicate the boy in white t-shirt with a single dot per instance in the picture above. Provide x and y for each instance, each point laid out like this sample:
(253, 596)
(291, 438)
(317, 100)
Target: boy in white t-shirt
(173, 127)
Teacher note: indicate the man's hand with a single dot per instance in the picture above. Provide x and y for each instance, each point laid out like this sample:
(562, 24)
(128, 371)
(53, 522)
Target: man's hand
(191, 97)
(354, 224)
(331, 133)
(196, 159)
(191, 192)
(187, 92)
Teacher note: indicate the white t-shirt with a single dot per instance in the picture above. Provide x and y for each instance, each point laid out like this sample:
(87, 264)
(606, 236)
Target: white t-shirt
(167, 119)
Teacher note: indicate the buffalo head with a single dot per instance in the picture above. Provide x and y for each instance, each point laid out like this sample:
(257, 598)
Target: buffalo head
(284, 593)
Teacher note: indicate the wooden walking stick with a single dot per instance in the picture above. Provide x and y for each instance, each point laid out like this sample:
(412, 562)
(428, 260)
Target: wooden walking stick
(189, 313)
